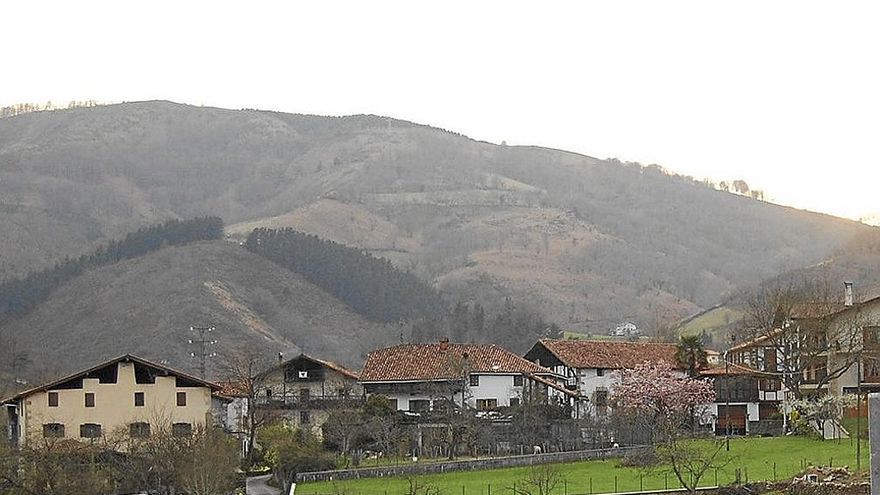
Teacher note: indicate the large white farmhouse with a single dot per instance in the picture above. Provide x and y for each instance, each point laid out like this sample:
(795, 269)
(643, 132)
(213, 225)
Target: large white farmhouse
(588, 366)
(422, 377)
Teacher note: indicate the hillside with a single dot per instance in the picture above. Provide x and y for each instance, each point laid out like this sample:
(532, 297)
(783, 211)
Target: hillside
(588, 241)
(855, 261)
(145, 306)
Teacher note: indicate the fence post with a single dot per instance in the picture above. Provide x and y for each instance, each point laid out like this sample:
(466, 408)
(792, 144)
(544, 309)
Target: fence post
(666, 481)
(591, 485)
(716, 476)
(774, 472)
(641, 484)
(874, 440)
(615, 483)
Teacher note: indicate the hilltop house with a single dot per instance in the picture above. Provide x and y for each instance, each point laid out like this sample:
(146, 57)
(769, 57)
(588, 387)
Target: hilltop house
(125, 397)
(421, 377)
(587, 366)
(305, 390)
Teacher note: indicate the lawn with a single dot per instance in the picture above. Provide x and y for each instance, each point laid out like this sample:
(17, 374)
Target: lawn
(755, 458)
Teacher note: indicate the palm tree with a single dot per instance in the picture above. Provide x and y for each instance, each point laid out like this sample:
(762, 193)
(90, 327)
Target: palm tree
(690, 354)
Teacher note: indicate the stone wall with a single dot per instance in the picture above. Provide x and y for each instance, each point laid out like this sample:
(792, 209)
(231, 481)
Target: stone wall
(468, 465)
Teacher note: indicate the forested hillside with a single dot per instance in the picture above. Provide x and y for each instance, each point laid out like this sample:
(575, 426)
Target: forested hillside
(146, 305)
(371, 286)
(588, 242)
(20, 295)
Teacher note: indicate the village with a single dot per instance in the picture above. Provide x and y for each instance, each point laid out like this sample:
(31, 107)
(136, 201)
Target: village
(806, 373)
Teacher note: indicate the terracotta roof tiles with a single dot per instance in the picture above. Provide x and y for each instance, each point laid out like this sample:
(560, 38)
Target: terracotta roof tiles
(443, 362)
(609, 354)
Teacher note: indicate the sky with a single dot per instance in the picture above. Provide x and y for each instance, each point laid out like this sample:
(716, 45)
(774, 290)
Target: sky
(784, 95)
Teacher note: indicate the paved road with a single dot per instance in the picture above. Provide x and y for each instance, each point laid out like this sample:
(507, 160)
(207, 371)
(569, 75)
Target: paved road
(256, 485)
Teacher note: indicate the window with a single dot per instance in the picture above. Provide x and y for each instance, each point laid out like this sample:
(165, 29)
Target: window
(181, 399)
(419, 405)
(53, 430)
(138, 399)
(601, 399)
(487, 404)
(53, 399)
(518, 381)
(304, 417)
(304, 394)
(600, 371)
(181, 429)
(769, 385)
(90, 430)
(770, 360)
(139, 430)
(514, 402)
(475, 380)
(393, 404)
(90, 399)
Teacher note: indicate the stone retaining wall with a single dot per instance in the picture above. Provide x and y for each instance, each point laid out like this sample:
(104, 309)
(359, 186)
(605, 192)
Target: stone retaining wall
(469, 465)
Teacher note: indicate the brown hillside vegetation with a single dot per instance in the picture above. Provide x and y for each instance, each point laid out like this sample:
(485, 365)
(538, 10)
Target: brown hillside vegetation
(145, 306)
(591, 242)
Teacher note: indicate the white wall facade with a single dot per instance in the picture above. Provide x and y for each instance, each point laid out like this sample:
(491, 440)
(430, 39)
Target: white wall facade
(499, 387)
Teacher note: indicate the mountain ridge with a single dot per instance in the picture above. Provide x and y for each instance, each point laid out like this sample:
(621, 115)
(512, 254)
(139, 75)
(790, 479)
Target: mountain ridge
(590, 242)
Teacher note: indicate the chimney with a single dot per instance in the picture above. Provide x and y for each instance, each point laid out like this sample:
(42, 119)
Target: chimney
(847, 294)
(280, 357)
(444, 343)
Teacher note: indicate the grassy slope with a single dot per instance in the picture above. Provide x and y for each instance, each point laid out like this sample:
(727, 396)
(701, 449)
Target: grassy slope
(146, 305)
(754, 456)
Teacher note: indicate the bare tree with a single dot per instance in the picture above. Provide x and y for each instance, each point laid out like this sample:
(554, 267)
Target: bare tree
(451, 398)
(210, 467)
(244, 370)
(542, 479)
(806, 334)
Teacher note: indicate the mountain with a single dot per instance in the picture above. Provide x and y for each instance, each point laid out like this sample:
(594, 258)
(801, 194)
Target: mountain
(145, 306)
(589, 242)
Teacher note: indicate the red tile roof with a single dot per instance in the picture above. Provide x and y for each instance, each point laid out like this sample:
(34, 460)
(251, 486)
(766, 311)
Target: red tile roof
(441, 362)
(609, 354)
(734, 369)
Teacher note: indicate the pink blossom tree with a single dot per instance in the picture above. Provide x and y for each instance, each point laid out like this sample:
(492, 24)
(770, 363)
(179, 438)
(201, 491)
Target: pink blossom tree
(661, 391)
(672, 400)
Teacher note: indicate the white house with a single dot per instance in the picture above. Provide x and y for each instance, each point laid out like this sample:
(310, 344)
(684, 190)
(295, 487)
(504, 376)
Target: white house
(588, 366)
(423, 377)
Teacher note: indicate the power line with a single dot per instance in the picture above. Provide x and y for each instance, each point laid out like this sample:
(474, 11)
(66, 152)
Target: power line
(202, 341)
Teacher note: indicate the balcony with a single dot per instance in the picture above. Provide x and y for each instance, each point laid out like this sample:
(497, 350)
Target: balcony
(312, 402)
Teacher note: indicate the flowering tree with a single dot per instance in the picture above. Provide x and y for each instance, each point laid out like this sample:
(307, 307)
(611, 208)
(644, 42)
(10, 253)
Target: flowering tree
(664, 393)
(818, 411)
(672, 400)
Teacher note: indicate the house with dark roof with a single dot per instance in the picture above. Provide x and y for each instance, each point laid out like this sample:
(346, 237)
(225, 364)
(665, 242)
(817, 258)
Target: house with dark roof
(423, 377)
(126, 397)
(305, 390)
(588, 366)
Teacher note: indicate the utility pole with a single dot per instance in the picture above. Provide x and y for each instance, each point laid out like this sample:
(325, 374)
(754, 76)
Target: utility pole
(727, 406)
(874, 436)
(202, 341)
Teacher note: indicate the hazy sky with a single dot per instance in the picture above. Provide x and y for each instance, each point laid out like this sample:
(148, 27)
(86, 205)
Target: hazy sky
(781, 94)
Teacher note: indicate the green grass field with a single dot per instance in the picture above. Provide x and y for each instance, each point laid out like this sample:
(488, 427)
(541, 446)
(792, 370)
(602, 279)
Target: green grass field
(755, 458)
